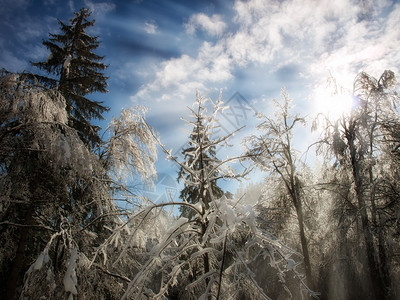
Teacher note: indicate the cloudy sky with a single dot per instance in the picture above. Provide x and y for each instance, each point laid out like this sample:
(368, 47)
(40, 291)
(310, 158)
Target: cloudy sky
(160, 52)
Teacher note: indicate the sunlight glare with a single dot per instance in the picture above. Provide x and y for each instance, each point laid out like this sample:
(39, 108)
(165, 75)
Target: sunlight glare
(332, 105)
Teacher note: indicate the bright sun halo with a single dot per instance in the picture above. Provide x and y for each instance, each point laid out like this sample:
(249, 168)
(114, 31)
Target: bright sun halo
(332, 105)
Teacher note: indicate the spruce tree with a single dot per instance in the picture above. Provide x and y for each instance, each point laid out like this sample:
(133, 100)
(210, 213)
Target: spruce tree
(200, 155)
(78, 72)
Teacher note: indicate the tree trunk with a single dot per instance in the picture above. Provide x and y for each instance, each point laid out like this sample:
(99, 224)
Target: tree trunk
(378, 287)
(383, 262)
(383, 265)
(293, 186)
(18, 263)
(304, 244)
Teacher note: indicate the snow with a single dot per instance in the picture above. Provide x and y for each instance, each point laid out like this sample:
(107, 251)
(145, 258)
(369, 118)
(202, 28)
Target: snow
(177, 224)
(132, 147)
(50, 57)
(178, 247)
(42, 259)
(227, 212)
(67, 63)
(10, 81)
(70, 279)
(39, 262)
(198, 206)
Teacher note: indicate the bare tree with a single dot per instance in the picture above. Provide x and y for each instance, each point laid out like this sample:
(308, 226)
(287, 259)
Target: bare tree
(358, 141)
(273, 152)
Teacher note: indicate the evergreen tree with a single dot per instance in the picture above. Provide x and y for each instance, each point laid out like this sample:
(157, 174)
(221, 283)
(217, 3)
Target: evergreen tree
(38, 172)
(78, 73)
(55, 193)
(200, 162)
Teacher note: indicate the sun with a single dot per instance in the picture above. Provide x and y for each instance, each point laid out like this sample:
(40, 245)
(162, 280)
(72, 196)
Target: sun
(332, 105)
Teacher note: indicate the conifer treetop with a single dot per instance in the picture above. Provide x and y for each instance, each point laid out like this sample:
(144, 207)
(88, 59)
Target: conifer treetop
(77, 71)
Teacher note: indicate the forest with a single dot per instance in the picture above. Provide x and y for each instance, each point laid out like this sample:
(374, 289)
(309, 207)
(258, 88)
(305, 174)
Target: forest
(72, 227)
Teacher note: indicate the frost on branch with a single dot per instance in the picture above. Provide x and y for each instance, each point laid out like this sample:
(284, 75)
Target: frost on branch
(131, 148)
(215, 252)
(42, 279)
(38, 116)
(70, 280)
(29, 103)
(89, 247)
(66, 64)
(50, 183)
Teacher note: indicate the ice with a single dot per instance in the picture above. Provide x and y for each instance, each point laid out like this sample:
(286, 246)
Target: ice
(67, 63)
(70, 279)
(50, 57)
(39, 262)
(42, 259)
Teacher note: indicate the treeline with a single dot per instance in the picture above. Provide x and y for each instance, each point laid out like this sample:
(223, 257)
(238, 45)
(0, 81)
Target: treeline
(342, 214)
(329, 232)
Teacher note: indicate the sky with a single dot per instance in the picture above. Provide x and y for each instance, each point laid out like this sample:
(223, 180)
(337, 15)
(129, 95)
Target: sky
(160, 52)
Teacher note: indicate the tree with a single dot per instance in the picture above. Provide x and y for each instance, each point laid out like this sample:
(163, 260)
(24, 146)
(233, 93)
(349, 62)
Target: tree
(56, 198)
(212, 254)
(36, 160)
(78, 72)
(273, 152)
(200, 162)
(359, 144)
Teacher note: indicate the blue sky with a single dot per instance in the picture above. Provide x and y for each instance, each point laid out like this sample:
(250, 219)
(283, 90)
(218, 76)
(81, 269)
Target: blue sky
(160, 52)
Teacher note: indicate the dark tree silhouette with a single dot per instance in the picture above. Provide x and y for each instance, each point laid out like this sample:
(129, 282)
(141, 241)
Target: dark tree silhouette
(78, 72)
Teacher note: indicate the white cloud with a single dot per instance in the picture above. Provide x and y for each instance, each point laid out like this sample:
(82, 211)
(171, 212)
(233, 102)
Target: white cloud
(318, 37)
(321, 37)
(99, 9)
(213, 25)
(178, 78)
(369, 45)
(270, 27)
(151, 27)
(71, 5)
(37, 52)
(31, 32)
(341, 37)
